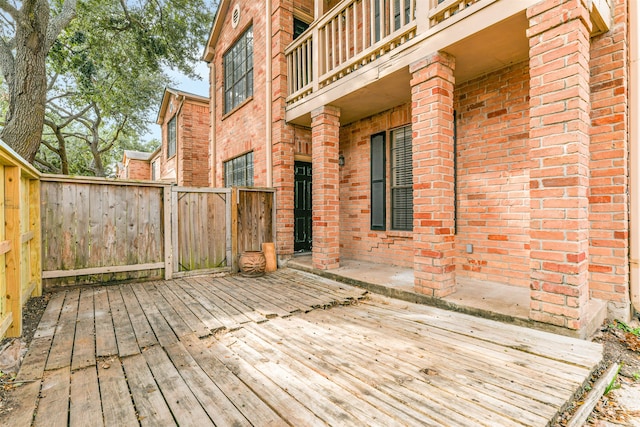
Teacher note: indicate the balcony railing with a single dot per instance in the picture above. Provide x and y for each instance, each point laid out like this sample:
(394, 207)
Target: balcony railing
(355, 33)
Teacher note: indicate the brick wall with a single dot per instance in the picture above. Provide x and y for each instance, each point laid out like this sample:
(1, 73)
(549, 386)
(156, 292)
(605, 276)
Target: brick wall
(357, 240)
(193, 145)
(243, 129)
(609, 148)
(138, 169)
(493, 176)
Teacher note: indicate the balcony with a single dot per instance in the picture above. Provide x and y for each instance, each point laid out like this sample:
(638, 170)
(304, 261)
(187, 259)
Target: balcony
(359, 51)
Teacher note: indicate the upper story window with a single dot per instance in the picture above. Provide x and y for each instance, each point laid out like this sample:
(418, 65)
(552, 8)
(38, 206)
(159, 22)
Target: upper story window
(238, 71)
(238, 172)
(172, 136)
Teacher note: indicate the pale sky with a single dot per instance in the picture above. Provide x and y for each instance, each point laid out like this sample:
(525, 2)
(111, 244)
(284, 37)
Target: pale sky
(198, 87)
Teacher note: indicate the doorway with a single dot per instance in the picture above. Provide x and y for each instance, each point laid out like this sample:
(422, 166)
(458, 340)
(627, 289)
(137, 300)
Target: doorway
(302, 207)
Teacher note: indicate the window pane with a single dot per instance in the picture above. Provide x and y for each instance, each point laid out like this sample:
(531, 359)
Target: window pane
(238, 71)
(401, 179)
(238, 172)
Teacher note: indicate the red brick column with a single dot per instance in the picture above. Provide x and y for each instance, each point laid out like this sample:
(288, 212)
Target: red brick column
(432, 87)
(325, 130)
(559, 153)
(281, 133)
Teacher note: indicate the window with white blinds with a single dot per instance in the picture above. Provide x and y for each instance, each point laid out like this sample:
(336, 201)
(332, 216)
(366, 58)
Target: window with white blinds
(238, 172)
(401, 179)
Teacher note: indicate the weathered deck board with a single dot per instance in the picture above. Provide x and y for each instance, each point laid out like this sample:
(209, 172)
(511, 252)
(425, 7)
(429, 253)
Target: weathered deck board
(142, 329)
(125, 336)
(150, 405)
(62, 345)
(235, 351)
(106, 344)
(54, 398)
(84, 353)
(85, 407)
(117, 406)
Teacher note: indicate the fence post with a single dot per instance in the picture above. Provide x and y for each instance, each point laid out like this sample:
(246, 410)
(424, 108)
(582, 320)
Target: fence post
(12, 258)
(35, 246)
(168, 232)
(234, 229)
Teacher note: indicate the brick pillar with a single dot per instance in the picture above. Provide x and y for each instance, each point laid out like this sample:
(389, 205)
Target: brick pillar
(432, 85)
(559, 153)
(282, 134)
(325, 130)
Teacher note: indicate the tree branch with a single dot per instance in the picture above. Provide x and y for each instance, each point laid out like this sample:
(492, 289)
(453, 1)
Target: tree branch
(59, 22)
(16, 14)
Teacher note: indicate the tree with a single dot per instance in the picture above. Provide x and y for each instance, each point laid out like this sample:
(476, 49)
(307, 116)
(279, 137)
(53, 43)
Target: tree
(26, 35)
(109, 38)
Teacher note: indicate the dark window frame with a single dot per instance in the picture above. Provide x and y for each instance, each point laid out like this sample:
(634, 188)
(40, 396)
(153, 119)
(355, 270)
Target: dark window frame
(378, 173)
(238, 71)
(238, 172)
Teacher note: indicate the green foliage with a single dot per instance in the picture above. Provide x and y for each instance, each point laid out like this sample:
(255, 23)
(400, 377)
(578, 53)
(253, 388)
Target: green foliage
(626, 328)
(613, 385)
(106, 77)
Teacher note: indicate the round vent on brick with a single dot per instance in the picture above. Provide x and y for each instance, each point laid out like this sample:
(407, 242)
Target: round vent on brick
(235, 16)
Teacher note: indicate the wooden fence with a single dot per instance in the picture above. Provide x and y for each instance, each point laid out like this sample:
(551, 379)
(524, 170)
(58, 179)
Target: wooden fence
(20, 256)
(100, 231)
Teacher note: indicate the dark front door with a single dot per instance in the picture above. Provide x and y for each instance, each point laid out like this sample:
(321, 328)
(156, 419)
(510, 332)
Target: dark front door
(302, 209)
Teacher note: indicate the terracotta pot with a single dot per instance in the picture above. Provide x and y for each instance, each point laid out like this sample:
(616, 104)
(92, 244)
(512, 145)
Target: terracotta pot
(252, 263)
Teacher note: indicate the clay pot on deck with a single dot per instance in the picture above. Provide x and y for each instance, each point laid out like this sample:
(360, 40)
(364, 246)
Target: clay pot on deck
(252, 263)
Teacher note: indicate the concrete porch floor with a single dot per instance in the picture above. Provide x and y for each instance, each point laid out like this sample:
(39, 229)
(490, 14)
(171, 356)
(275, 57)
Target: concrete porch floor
(487, 299)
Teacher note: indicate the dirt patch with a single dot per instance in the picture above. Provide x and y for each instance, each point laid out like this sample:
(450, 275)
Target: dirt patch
(31, 315)
(623, 347)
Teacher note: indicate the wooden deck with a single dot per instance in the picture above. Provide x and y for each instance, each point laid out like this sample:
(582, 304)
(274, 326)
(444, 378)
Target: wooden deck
(286, 349)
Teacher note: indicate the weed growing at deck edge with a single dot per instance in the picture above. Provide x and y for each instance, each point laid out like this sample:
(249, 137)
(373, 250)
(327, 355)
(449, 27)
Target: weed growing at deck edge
(613, 384)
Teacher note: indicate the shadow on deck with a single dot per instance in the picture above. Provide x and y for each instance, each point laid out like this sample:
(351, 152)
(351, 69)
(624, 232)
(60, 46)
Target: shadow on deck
(286, 349)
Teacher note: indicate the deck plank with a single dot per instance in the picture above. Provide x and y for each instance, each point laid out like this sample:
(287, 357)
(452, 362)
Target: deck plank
(194, 323)
(85, 407)
(23, 405)
(253, 393)
(141, 327)
(579, 352)
(257, 301)
(184, 406)
(117, 406)
(158, 323)
(207, 288)
(62, 345)
(106, 344)
(32, 367)
(218, 406)
(193, 290)
(84, 346)
(149, 403)
(125, 336)
(177, 324)
(226, 293)
(49, 320)
(53, 407)
(209, 320)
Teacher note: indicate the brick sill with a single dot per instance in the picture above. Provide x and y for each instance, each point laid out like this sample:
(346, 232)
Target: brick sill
(237, 107)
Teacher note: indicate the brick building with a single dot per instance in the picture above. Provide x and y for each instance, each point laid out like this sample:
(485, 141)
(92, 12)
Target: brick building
(183, 157)
(469, 140)
(134, 165)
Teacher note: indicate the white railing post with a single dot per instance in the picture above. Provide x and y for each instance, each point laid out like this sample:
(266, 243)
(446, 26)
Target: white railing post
(315, 58)
(421, 9)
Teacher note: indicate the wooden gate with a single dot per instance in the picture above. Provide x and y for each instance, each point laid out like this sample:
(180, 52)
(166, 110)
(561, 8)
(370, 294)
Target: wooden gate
(201, 230)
